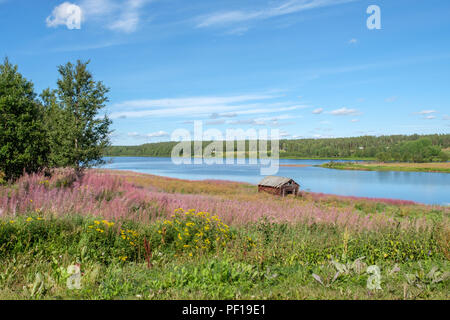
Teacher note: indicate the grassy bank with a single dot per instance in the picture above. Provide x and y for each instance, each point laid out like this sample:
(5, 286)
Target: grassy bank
(132, 241)
(443, 167)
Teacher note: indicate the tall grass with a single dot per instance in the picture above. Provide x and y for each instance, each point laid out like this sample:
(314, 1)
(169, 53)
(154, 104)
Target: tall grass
(122, 231)
(111, 196)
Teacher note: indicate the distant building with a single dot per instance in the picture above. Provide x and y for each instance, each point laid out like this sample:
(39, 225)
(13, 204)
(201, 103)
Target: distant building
(279, 186)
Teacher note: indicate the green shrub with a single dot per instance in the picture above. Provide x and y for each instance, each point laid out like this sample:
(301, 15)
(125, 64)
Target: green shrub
(191, 231)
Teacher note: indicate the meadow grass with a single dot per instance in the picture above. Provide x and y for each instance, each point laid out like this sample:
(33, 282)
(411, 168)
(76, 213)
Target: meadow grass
(132, 240)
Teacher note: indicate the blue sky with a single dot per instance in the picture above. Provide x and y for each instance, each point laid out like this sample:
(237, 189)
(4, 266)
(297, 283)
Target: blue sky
(310, 68)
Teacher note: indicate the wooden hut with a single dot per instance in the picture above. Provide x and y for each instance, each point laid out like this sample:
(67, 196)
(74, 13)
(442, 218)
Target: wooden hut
(279, 186)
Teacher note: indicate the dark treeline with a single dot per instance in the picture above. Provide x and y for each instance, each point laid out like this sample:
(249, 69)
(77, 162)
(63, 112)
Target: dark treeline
(408, 148)
(58, 128)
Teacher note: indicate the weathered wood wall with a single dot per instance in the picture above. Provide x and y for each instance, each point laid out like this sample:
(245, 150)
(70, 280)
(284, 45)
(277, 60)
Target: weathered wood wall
(271, 190)
(279, 191)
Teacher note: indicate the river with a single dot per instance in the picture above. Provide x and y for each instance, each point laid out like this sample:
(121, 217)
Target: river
(423, 187)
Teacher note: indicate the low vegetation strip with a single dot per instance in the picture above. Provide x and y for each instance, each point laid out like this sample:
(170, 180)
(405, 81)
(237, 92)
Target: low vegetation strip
(136, 236)
(443, 167)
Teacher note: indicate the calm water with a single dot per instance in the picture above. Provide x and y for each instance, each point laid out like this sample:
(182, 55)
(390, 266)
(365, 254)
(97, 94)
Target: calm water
(431, 188)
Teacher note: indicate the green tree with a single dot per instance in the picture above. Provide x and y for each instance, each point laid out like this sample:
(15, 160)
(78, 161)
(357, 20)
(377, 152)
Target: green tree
(78, 135)
(443, 156)
(23, 145)
(383, 156)
(421, 150)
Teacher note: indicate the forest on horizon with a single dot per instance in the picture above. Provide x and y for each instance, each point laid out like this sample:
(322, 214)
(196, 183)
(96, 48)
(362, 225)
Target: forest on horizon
(407, 148)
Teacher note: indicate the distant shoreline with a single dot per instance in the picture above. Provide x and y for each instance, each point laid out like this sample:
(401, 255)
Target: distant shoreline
(437, 167)
(281, 157)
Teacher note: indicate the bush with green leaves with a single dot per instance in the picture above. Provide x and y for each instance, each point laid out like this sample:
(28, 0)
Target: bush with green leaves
(82, 238)
(192, 232)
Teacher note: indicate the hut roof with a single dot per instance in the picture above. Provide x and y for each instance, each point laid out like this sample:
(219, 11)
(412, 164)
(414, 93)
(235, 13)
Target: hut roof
(273, 181)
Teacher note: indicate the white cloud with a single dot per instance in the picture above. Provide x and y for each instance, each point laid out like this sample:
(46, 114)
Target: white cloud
(67, 14)
(268, 108)
(137, 135)
(237, 31)
(446, 117)
(288, 7)
(317, 111)
(322, 136)
(430, 117)
(157, 134)
(85, 47)
(353, 41)
(98, 8)
(118, 15)
(426, 112)
(344, 112)
(214, 107)
(263, 121)
(216, 115)
(354, 120)
(284, 134)
(215, 122)
(228, 115)
(194, 101)
(391, 99)
(129, 19)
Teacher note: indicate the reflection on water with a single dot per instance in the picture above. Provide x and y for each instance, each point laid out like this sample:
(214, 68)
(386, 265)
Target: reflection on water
(431, 188)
